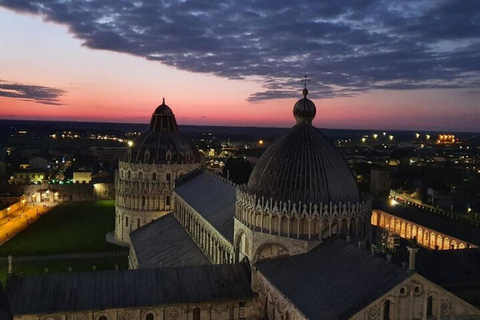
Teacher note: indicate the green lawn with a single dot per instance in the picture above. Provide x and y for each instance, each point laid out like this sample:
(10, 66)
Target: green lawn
(71, 227)
(61, 266)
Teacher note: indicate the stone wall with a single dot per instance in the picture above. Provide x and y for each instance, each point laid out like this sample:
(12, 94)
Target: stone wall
(418, 298)
(227, 310)
(143, 192)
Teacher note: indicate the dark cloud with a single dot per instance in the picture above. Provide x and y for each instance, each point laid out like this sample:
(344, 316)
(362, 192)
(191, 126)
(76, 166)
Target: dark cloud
(347, 46)
(25, 92)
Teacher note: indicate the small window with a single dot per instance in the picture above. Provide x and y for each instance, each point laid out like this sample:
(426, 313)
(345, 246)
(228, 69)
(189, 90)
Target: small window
(150, 316)
(138, 223)
(241, 310)
(126, 221)
(196, 314)
(168, 176)
(129, 174)
(386, 310)
(154, 178)
(168, 201)
(430, 307)
(143, 200)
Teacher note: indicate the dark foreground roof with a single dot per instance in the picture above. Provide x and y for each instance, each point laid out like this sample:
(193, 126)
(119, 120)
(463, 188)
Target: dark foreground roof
(334, 280)
(128, 289)
(164, 242)
(430, 220)
(457, 271)
(213, 199)
(4, 307)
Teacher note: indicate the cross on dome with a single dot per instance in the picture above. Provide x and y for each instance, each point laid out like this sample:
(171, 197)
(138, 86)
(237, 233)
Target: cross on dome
(305, 80)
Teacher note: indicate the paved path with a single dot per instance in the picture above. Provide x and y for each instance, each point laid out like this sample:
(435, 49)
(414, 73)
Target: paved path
(68, 256)
(16, 221)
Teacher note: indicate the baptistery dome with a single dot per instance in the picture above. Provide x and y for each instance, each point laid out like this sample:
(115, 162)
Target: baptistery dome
(145, 178)
(303, 165)
(163, 143)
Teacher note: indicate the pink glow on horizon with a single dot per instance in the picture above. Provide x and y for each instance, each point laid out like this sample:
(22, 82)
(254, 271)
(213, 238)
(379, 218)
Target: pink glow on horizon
(104, 86)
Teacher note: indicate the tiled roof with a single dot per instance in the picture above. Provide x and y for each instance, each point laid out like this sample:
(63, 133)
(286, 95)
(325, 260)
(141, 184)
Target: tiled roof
(4, 307)
(213, 199)
(128, 289)
(433, 221)
(164, 242)
(334, 280)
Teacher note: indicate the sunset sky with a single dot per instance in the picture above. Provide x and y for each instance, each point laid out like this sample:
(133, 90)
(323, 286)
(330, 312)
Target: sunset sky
(373, 64)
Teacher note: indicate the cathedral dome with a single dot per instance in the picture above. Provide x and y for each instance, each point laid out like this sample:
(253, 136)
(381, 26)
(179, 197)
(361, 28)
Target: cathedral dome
(163, 143)
(303, 165)
(163, 109)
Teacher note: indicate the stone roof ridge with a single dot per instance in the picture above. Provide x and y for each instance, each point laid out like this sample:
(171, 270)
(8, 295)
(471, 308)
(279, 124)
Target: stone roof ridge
(189, 175)
(220, 177)
(148, 224)
(299, 209)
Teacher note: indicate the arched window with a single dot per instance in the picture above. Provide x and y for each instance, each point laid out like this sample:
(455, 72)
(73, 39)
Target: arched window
(150, 316)
(196, 314)
(140, 176)
(126, 221)
(429, 307)
(138, 223)
(154, 176)
(386, 310)
(168, 176)
(241, 310)
(167, 201)
(102, 318)
(446, 244)
(143, 200)
(453, 244)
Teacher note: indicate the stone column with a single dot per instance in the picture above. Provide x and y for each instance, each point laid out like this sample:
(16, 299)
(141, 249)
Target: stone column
(411, 258)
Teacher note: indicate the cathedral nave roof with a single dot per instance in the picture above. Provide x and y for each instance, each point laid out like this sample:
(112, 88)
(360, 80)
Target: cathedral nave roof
(164, 242)
(211, 197)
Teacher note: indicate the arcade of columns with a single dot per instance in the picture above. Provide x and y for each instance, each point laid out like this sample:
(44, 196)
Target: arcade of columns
(218, 249)
(426, 237)
(301, 221)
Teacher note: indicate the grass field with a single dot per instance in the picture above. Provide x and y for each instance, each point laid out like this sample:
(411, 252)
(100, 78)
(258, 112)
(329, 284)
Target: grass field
(71, 227)
(61, 266)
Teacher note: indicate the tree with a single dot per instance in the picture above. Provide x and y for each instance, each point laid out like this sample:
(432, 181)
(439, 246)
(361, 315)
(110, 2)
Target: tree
(238, 170)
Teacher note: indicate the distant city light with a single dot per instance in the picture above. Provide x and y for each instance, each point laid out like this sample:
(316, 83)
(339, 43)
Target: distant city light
(417, 135)
(130, 143)
(364, 139)
(427, 136)
(393, 202)
(260, 142)
(375, 136)
(384, 133)
(390, 137)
